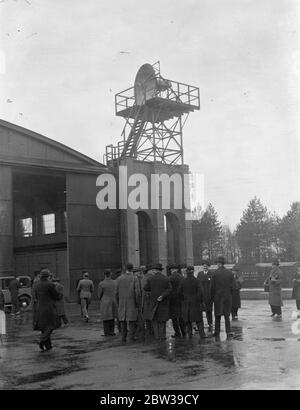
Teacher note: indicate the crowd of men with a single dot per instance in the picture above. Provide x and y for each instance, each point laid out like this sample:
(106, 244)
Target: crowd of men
(143, 300)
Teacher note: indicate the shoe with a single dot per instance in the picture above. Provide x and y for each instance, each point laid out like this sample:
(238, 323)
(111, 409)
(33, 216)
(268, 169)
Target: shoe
(176, 335)
(273, 314)
(279, 316)
(210, 329)
(41, 345)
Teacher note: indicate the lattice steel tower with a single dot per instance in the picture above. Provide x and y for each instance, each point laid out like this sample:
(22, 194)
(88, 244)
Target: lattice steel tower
(155, 110)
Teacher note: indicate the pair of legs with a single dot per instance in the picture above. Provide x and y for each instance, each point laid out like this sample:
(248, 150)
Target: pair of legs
(45, 339)
(109, 327)
(276, 310)
(200, 327)
(62, 319)
(234, 312)
(218, 325)
(124, 330)
(179, 327)
(209, 317)
(159, 329)
(85, 307)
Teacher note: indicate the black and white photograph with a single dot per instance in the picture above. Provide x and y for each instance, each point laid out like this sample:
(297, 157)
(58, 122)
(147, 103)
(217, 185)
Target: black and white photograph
(149, 198)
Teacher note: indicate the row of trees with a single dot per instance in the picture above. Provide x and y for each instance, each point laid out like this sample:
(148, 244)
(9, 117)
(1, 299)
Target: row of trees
(259, 236)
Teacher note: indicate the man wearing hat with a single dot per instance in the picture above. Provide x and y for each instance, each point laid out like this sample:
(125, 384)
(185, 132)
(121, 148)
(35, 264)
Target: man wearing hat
(175, 302)
(205, 278)
(45, 316)
(108, 303)
(274, 282)
(160, 288)
(191, 293)
(222, 285)
(146, 301)
(85, 288)
(128, 297)
(60, 304)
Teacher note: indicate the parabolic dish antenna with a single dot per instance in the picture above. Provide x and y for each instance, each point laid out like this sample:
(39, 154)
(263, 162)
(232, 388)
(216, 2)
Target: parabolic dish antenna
(145, 85)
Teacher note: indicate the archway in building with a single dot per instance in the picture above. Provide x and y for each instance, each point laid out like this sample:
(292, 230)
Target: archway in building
(145, 238)
(172, 229)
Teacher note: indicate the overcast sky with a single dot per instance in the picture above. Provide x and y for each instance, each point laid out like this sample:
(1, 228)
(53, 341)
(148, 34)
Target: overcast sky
(62, 61)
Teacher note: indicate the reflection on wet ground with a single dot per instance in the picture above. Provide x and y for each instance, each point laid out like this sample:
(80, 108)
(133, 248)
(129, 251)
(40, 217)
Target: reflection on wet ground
(82, 358)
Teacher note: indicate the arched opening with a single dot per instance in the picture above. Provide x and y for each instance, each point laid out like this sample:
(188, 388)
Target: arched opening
(145, 238)
(172, 230)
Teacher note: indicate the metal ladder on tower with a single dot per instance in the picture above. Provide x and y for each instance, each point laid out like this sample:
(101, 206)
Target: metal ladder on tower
(132, 141)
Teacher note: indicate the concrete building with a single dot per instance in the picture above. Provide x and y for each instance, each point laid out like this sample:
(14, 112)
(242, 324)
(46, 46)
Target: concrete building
(49, 217)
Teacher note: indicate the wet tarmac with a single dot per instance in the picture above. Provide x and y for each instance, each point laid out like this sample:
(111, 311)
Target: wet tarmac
(264, 353)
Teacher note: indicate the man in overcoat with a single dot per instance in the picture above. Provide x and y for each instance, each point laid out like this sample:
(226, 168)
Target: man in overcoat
(85, 288)
(191, 293)
(175, 302)
(222, 284)
(14, 287)
(236, 293)
(45, 316)
(128, 297)
(108, 303)
(60, 304)
(160, 288)
(205, 278)
(296, 291)
(274, 282)
(146, 301)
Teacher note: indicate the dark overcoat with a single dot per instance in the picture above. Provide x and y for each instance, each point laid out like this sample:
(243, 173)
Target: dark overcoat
(14, 291)
(175, 301)
(236, 295)
(191, 293)
(274, 281)
(158, 285)
(60, 304)
(222, 285)
(296, 289)
(205, 280)
(128, 296)
(146, 301)
(108, 303)
(2, 300)
(45, 315)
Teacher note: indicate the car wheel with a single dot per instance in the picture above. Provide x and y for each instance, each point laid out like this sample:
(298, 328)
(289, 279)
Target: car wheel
(24, 302)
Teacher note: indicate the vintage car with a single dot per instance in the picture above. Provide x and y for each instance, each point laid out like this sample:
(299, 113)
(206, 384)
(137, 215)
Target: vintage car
(24, 291)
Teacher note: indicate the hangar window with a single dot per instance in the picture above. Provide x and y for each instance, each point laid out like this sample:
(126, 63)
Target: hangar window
(48, 224)
(24, 227)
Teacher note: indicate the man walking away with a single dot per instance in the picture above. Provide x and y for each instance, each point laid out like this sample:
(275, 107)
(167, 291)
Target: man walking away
(236, 294)
(14, 287)
(128, 296)
(205, 278)
(45, 318)
(175, 302)
(108, 304)
(191, 293)
(222, 284)
(60, 304)
(160, 288)
(85, 288)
